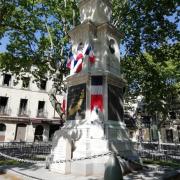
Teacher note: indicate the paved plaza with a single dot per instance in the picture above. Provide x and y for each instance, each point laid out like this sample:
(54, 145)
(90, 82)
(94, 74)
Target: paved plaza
(27, 172)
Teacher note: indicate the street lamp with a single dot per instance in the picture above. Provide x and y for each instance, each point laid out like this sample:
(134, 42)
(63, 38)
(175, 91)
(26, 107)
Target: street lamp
(159, 134)
(139, 123)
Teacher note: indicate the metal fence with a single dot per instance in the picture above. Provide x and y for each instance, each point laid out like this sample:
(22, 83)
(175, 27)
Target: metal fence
(26, 150)
(39, 150)
(156, 151)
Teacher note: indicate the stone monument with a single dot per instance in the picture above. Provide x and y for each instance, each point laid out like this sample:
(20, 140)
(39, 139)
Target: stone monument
(94, 114)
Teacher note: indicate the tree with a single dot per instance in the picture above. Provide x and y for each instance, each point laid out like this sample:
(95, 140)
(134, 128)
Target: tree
(147, 25)
(150, 63)
(37, 32)
(157, 80)
(38, 38)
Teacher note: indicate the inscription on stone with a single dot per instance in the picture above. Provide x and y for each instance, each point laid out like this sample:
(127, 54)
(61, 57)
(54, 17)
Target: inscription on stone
(115, 105)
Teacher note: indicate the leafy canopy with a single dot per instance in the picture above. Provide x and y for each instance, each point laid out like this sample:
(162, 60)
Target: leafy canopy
(37, 31)
(150, 64)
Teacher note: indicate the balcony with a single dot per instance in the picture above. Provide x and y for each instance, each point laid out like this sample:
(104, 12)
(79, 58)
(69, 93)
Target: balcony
(42, 114)
(4, 111)
(7, 80)
(24, 113)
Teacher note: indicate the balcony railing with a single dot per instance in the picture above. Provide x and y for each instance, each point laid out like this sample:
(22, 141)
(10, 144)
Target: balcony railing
(23, 113)
(42, 114)
(5, 111)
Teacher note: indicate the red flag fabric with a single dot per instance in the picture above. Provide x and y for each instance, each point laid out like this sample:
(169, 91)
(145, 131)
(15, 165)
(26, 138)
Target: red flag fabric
(79, 61)
(97, 101)
(75, 63)
(63, 105)
(97, 92)
(90, 53)
(70, 60)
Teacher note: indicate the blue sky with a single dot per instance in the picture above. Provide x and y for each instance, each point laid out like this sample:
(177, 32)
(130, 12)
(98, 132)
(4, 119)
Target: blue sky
(3, 43)
(5, 40)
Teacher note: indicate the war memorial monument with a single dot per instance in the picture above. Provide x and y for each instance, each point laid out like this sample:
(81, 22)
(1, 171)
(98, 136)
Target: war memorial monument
(94, 109)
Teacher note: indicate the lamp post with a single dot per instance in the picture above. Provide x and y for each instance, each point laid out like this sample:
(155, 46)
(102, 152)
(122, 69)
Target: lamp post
(139, 123)
(159, 134)
(149, 126)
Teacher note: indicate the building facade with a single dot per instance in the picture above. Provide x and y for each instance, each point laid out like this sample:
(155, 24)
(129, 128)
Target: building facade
(26, 113)
(143, 127)
(170, 130)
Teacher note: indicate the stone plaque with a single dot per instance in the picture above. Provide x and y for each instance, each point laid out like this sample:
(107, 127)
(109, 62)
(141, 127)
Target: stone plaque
(115, 103)
(76, 102)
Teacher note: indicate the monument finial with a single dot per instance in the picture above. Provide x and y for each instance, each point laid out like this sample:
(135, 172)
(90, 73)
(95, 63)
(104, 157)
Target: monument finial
(97, 11)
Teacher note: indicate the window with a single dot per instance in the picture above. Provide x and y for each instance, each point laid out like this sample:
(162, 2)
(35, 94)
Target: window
(3, 104)
(172, 115)
(41, 105)
(23, 107)
(131, 134)
(154, 133)
(2, 132)
(178, 129)
(38, 135)
(7, 79)
(25, 82)
(20, 132)
(2, 127)
(169, 135)
(43, 84)
(146, 120)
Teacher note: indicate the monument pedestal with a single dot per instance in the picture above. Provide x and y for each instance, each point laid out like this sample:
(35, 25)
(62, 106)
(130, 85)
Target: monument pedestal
(61, 150)
(80, 139)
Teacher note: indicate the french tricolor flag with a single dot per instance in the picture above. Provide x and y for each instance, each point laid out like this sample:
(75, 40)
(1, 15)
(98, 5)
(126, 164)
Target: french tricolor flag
(63, 105)
(97, 93)
(78, 62)
(70, 60)
(89, 52)
(75, 63)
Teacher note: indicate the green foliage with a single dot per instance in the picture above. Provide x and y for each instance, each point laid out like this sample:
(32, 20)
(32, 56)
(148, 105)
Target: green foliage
(9, 162)
(37, 32)
(155, 77)
(146, 25)
(172, 164)
(151, 65)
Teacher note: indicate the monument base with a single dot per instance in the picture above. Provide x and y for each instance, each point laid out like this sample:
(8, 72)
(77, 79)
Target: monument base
(78, 139)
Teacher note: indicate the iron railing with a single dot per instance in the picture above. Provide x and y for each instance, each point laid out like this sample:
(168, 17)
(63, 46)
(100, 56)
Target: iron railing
(27, 150)
(156, 151)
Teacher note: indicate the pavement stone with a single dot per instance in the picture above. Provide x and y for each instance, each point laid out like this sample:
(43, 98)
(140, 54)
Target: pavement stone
(40, 173)
(154, 172)
(33, 172)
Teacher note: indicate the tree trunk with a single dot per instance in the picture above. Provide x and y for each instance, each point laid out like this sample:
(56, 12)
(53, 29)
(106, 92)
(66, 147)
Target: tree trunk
(159, 140)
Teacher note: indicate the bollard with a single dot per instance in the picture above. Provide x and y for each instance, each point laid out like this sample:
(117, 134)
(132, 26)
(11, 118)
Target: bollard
(113, 169)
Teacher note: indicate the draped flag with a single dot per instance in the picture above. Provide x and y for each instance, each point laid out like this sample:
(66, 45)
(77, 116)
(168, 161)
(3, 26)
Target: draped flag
(63, 104)
(70, 60)
(89, 52)
(97, 92)
(75, 63)
(78, 62)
